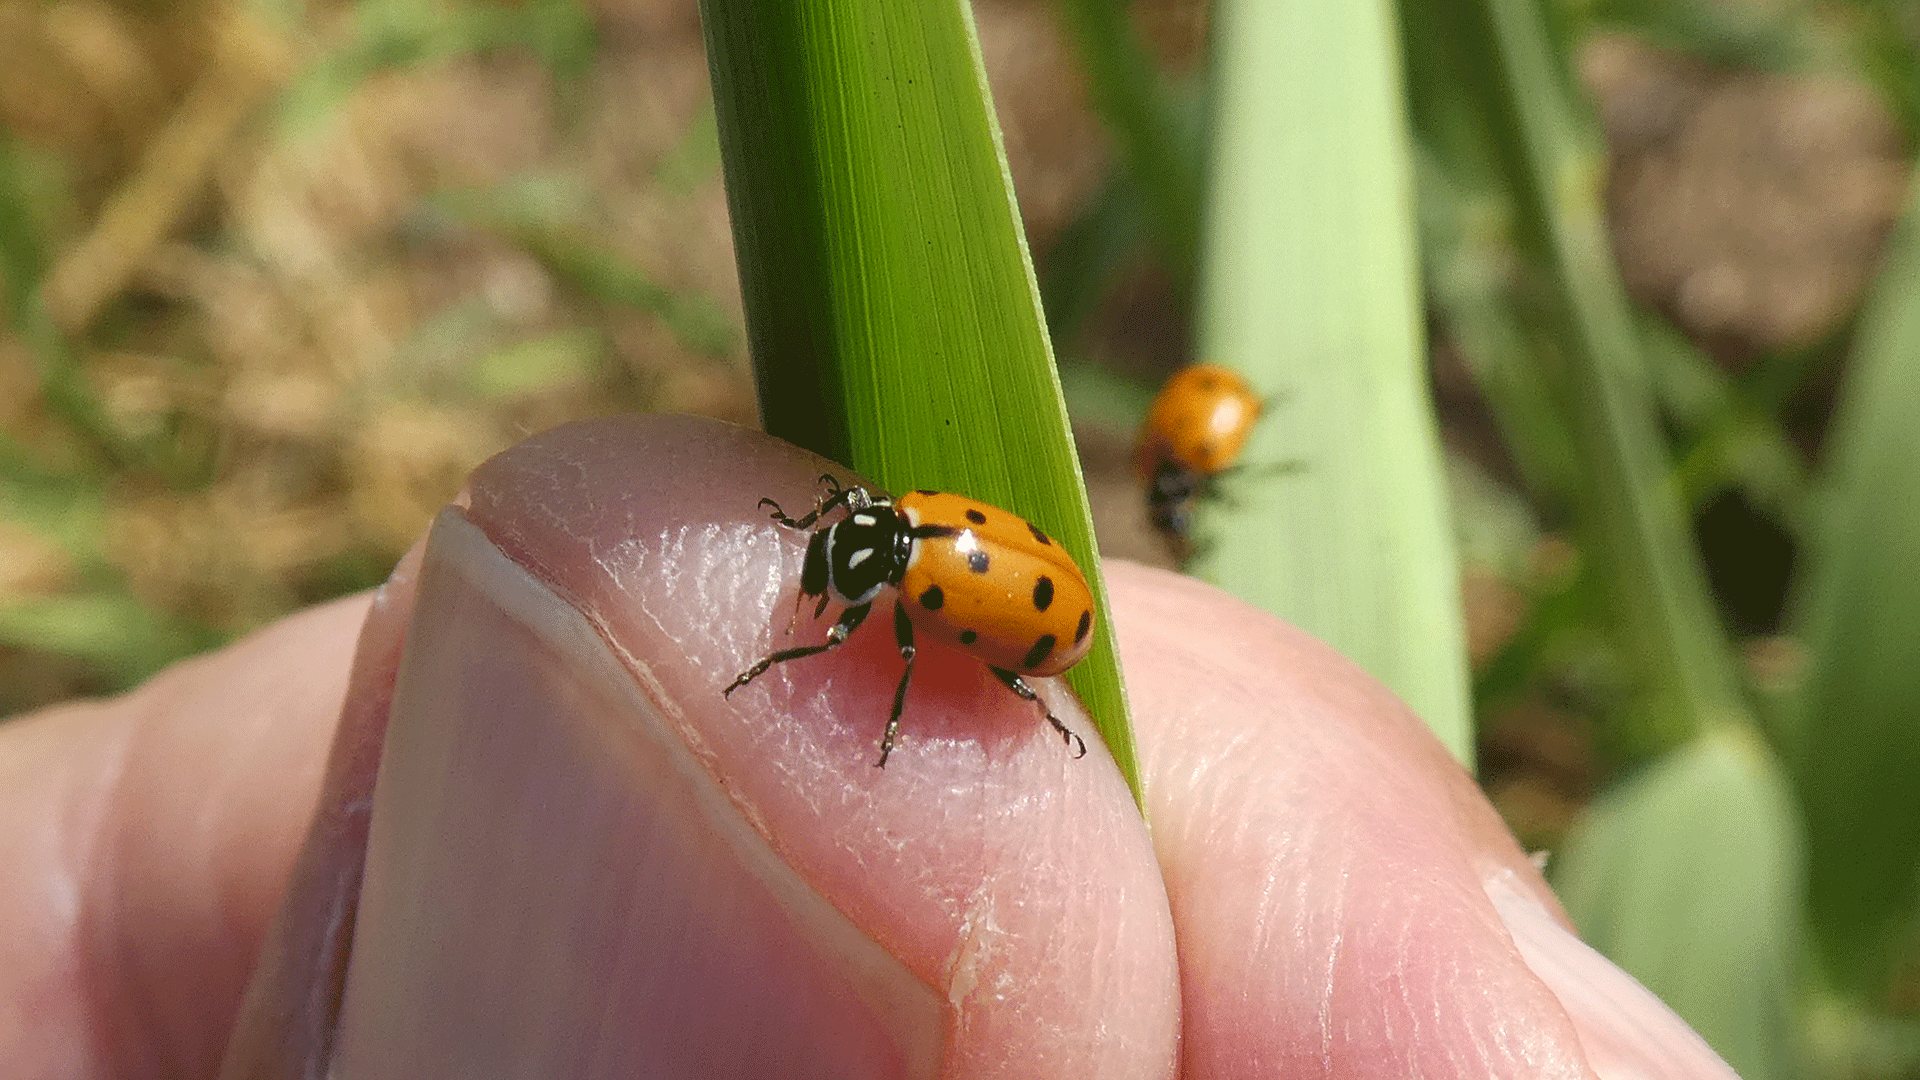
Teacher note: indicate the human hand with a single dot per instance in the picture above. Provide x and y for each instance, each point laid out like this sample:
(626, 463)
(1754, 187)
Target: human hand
(584, 860)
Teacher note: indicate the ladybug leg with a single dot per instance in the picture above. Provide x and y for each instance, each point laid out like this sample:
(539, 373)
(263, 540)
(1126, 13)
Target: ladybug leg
(1189, 549)
(855, 497)
(850, 619)
(1019, 686)
(1270, 468)
(828, 504)
(903, 634)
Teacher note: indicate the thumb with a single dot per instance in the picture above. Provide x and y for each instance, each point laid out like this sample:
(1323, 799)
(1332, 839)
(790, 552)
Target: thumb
(584, 859)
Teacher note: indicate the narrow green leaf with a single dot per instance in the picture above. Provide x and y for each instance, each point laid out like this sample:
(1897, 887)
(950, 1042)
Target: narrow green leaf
(1311, 288)
(24, 254)
(1467, 228)
(1733, 35)
(891, 307)
(391, 34)
(1888, 56)
(1717, 812)
(1731, 440)
(118, 637)
(1689, 875)
(31, 184)
(1853, 743)
(1508, 118)
(524, 367)
(694, 161)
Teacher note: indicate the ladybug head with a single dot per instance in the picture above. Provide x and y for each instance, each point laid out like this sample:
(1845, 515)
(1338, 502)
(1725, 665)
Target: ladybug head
(862, 553)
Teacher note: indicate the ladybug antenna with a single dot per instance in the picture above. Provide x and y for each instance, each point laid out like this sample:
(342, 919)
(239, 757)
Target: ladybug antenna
(836, 497)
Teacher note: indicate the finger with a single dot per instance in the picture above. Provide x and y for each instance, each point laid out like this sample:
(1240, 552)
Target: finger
(584, 857)
(285, 1024)
(148, 839)
(1347, 903)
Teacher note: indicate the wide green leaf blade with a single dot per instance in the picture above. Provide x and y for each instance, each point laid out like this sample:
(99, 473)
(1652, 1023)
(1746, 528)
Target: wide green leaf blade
(1853, 741)
(891, 307)
(1717, 812)
(1311, 288)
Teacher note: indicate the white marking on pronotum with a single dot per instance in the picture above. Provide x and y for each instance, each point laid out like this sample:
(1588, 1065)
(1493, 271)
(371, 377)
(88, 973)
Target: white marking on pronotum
(859, 557)
(912, 514)
(864, 519)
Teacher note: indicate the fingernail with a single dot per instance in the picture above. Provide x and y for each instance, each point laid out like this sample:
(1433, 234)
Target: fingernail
(1625, 1030)
(555, 886)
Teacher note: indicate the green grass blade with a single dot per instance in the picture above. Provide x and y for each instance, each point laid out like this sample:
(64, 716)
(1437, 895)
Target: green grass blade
(1716, 812)
(1731, 441)
(1677, 865)
(1853, 743)
(120, 639)
(1493, 63)
(1311, 288)
(891, 308)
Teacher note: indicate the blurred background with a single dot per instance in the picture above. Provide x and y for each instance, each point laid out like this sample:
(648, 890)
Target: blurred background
(278, 274)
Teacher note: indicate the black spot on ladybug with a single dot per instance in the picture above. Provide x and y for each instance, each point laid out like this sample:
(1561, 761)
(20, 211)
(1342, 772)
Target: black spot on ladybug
(1043, 593)
(1206, 382)
(1086, 624)
(1038, 536)
(1040, 651)
(977, 561)
(968, 637)
(976, 517)
(932, 598)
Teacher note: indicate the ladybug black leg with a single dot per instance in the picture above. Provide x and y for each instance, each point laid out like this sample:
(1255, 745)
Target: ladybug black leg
(1019, 686)
(903, 634)
(854, 497)
(1190, 549)
(850, 619)
(1269, 468)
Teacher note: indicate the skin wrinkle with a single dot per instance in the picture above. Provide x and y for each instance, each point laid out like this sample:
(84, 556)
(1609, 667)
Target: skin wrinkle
(1409, 996)
(1323, 1011)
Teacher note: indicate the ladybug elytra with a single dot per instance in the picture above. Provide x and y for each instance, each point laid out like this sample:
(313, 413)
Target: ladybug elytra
(1193, 435)
(962, 573)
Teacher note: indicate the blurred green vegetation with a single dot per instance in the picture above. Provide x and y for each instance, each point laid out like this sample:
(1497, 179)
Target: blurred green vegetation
(276, 276)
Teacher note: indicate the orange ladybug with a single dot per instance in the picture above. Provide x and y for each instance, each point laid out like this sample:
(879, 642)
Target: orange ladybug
(1193, 434)
(962, 572)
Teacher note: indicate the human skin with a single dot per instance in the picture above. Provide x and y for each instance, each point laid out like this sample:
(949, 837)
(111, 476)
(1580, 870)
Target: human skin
(582, 860)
